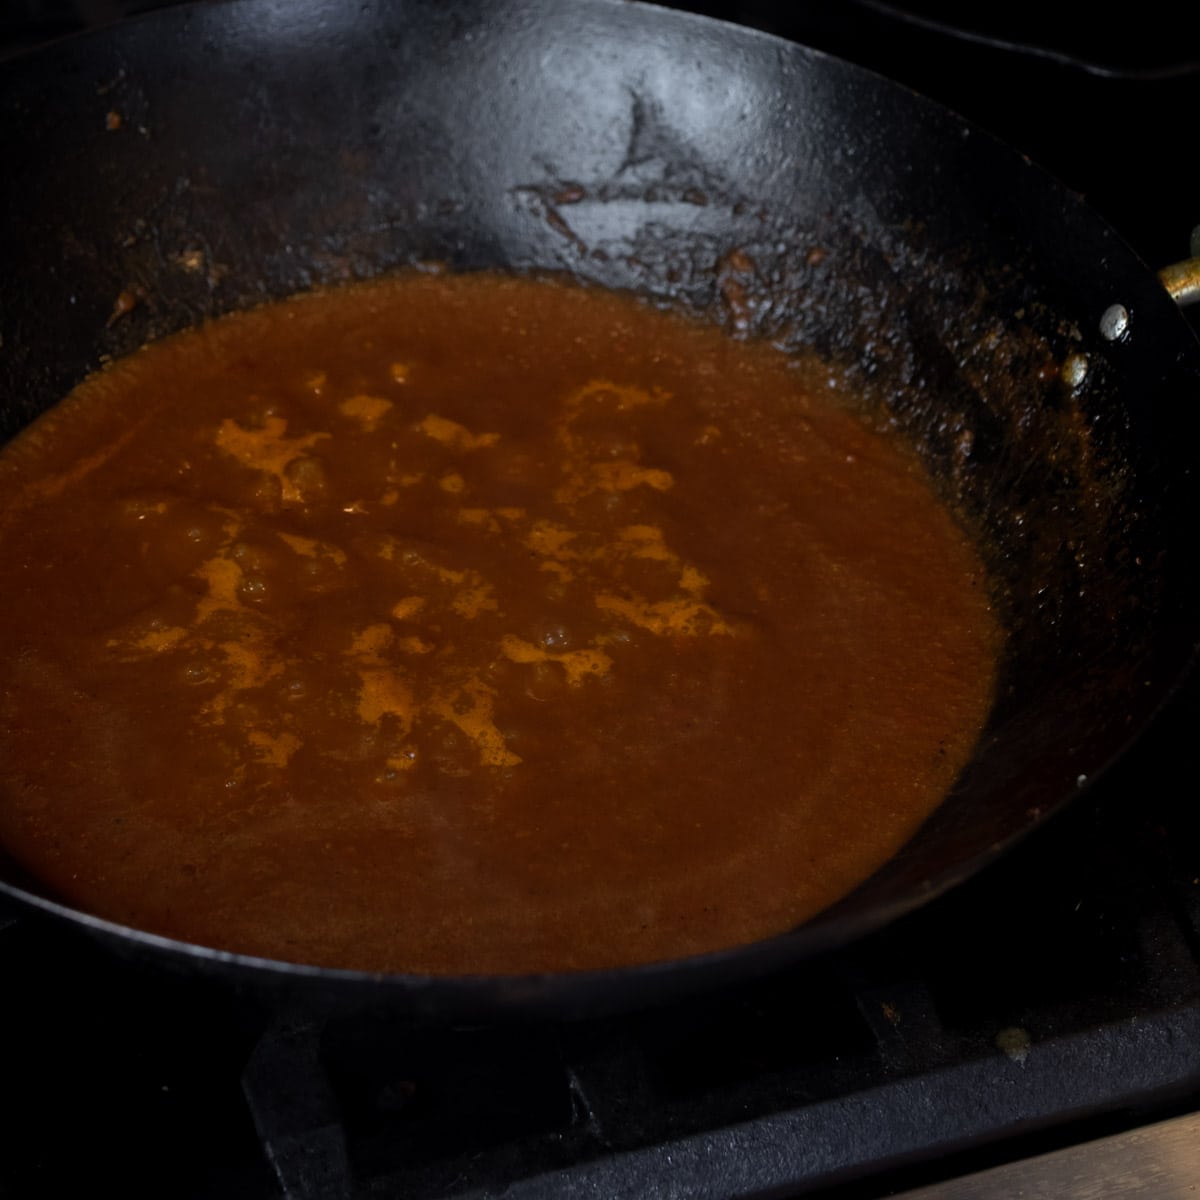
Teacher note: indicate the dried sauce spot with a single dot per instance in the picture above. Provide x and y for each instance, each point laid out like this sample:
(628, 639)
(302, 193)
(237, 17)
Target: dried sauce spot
(191, 260)
(124, 304)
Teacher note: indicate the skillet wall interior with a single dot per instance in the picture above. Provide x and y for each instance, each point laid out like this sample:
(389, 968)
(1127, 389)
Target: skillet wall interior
(267, 147)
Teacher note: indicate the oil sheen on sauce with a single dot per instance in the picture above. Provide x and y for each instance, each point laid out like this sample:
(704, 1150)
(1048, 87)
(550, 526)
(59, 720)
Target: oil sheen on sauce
(473, 625)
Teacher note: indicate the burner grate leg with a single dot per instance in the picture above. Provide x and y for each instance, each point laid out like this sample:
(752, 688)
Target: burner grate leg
(295, 1113)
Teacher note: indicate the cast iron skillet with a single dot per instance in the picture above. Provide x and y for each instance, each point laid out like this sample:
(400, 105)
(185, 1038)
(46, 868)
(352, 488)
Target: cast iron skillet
(265, 146)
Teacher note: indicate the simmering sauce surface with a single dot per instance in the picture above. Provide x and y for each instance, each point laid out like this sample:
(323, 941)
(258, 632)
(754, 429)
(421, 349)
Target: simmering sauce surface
(473, 624)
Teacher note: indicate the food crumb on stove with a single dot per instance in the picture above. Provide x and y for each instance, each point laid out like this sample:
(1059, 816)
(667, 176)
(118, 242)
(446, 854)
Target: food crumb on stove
(113, 120)
(1014, 1042)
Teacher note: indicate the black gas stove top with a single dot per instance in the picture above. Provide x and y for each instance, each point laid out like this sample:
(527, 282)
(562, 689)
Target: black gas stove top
(1053, 999)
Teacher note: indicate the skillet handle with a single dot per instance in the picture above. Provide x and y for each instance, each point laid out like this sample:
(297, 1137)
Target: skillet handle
(1182, 281)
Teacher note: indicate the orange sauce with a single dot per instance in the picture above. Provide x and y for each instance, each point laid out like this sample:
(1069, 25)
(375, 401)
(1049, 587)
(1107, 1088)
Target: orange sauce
(473, 624)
